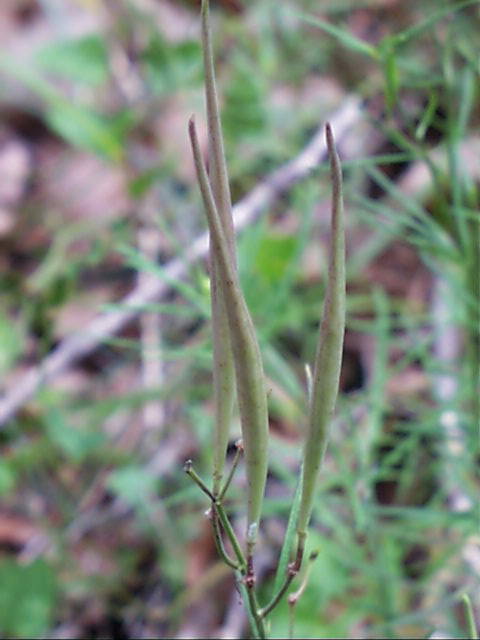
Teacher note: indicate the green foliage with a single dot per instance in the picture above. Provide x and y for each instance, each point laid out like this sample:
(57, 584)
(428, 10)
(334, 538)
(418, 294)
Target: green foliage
(82, 61)
(76, 443)
(7, 478)
(274, 257)
(27, 597)
(11, 341)
(243, 114)
(90, 130)
(133, 484)
(170, 67)
(80, 125)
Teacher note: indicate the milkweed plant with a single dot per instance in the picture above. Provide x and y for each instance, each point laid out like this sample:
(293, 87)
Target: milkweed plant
(238, 369)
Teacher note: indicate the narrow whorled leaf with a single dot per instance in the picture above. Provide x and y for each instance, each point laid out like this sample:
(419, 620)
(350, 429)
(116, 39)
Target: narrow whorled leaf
(223, 369)
(250, 381)
(328, 358)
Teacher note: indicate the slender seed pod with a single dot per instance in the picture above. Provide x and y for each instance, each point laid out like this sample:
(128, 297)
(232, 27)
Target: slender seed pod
(250, 380)
(328, 358)
(218, 174)
(223, 374)
(223, 369)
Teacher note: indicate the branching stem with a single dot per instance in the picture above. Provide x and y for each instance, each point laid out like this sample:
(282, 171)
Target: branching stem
(236, 460)
(219, 542)
(256, 612)
(242, 566)
(227, 527)
(292, 571)
(190, 471)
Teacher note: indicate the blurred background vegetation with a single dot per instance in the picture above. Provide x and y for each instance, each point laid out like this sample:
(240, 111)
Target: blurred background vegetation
(101, 535)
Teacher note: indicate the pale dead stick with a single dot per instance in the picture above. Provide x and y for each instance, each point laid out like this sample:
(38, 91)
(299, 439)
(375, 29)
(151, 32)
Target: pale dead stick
(151, 289)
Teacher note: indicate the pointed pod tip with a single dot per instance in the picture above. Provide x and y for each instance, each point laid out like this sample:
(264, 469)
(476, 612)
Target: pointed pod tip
(332, 152)
(329, 137)
(191, 125)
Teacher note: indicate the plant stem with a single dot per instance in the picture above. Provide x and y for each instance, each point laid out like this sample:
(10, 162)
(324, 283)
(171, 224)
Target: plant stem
(190, 471)
(219, 542)
(249, 605)
(220, 511)
(293, 598)
(276, 599)
(243, 568)
(227, 527)
(256, 611)
(471, 624)
(235, 462)
(292, 570)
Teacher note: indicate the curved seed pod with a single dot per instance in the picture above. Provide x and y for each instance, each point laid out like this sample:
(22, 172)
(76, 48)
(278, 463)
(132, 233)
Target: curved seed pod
(252, 398)
(328, 358)
(223, 370)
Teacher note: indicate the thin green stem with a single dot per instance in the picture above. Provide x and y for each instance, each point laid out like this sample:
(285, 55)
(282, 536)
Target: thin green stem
(248, 604)
(293, 598)
(471, 624)
(242, 567)
(292, 571)
(246, 571)
(235, 462)
(220, 512)
(256, 611)
(279, 595)
(227, 527)
(190, 471)
(219, 542)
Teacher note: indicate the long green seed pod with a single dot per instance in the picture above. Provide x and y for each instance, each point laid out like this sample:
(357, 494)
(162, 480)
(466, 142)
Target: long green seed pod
(223, 369)
(328, 358)
(250, 380)
(218, 174)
